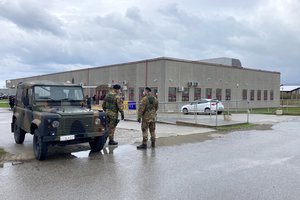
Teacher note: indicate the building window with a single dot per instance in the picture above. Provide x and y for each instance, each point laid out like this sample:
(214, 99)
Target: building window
(197, 94)
(258, 95)
(219, 94)
(185, 94)
(208, 92)
(228, 94)
(130, 94)
(141, 93)
(154, 91)
(265, 94)
(271, 95)
(172, 94)
(245, 94)
(251, 95)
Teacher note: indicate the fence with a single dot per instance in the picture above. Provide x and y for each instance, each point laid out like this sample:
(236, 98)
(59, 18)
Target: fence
(234, 112)
(172, 112)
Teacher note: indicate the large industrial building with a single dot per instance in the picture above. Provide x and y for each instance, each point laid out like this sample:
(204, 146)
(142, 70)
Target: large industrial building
(177, 81)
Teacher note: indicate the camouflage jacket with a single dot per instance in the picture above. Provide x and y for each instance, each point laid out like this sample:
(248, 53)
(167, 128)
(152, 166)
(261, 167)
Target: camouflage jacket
(148, 108)
(113, 104)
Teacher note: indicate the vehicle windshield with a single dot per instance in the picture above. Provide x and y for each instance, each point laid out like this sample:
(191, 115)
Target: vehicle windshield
(58, 93)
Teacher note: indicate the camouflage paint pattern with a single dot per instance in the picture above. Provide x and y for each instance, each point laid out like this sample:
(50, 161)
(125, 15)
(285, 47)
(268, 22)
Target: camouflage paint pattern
(112, 105)
(32, 110)
(147, 114)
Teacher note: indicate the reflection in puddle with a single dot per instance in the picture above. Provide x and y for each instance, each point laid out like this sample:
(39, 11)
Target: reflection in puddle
(9, 164)
(89, 153)
(81, 154)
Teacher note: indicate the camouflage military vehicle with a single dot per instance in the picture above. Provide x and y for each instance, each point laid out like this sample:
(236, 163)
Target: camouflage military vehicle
(55, 114)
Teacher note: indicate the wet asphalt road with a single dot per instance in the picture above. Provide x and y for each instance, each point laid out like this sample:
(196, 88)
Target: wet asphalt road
(241, 165)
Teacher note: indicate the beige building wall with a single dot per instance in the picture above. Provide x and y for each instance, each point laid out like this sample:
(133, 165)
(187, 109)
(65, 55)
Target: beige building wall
(162, 73)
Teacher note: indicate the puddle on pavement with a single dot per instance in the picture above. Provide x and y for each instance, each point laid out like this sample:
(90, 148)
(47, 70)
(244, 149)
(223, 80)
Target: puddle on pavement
(10, 164)
(89, 153)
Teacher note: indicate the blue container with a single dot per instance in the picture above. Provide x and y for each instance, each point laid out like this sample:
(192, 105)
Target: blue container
(131, 105)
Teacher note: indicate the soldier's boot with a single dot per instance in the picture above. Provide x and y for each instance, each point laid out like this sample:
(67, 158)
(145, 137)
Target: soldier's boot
(153, 144)
(112, 142)
(142, 146)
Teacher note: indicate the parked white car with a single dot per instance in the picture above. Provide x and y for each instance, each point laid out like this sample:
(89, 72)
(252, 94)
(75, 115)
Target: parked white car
(206, 106)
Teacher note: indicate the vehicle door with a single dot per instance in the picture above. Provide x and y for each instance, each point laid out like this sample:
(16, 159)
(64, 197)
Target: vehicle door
(28, 112)
(192, 107)
(201, 106)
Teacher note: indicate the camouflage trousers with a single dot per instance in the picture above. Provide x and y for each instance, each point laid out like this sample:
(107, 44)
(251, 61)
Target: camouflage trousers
(112, 124)
(145, 126)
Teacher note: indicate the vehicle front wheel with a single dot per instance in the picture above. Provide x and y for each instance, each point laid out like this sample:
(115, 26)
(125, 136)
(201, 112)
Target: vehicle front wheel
(220, 112)
(97, 143)
(19, 134)
(207, 111)
(40, 148)
(185, 111)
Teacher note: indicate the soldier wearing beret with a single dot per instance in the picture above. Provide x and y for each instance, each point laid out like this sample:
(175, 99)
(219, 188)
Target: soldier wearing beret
(113, 105)
(146, 115)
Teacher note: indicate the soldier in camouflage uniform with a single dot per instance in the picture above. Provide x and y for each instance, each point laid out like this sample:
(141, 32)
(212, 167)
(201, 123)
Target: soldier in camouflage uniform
(147, 114)
(112, 105)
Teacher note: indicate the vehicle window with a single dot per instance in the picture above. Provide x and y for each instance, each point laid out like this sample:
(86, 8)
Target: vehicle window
(202, 101)
(25, 98)
(57, 93)
(19, 97)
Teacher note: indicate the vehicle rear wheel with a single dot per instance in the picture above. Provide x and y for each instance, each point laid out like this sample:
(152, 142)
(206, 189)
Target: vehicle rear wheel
(97, 143)
(185, 111)
(220, 112)
(19, 134)
(207, 111)
(40, 148)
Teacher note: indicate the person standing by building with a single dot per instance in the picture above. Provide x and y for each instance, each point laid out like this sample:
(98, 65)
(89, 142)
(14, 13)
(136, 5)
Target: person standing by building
(94, 99)
(11, 101)
(146, 115)
(112, 105)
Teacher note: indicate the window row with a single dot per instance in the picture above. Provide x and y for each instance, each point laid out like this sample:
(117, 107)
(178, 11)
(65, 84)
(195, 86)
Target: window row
(207, 94)
(267, 95)
(260, 95)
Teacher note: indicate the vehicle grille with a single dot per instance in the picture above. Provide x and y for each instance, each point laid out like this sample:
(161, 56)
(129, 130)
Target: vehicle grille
(76, 125)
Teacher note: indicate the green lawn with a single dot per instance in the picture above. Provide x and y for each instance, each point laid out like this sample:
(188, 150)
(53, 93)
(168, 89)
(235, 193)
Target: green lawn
(4, 103)
(286, 110)
(235, 127)
(2, 153)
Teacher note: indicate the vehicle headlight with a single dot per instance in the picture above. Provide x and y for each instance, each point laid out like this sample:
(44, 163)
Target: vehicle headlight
(55, 124)
(97, 121)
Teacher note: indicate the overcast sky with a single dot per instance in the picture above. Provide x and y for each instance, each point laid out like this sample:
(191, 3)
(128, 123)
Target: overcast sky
(41, 37)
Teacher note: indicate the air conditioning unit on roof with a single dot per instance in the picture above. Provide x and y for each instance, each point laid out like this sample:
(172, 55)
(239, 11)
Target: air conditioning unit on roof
(190, 84)
(195, 84)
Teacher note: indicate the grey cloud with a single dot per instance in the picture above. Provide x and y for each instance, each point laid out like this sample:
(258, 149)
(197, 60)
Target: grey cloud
(31, 16)
(189, 29)
(134, 14)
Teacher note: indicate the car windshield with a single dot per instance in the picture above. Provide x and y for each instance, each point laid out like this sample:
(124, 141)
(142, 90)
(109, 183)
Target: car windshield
(58, 93)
